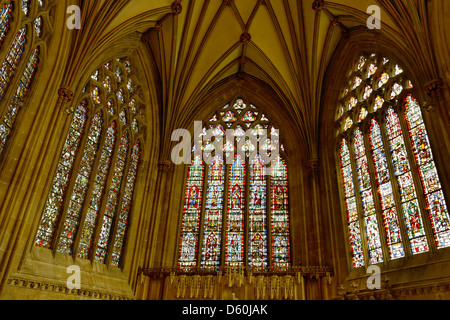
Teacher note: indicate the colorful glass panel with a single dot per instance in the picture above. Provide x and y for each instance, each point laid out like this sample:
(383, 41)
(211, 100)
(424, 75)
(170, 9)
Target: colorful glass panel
(99, 184)
(12, 59)
(390, 217)
(191, 215)
(436, 204)
(280, 216)
(124, 214)
(5, 18)
(354, 231)
(17, 100)
(400, 162)
(81, 185)
(257, 251)
(112, 199)
(212, 227)
(234, 247)
(54, 202)
(365, 189)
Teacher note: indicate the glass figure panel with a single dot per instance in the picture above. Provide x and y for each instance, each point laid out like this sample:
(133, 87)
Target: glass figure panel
(257, 251)
(234, 247)
(280, 233)
(212, 226)
(191, 215)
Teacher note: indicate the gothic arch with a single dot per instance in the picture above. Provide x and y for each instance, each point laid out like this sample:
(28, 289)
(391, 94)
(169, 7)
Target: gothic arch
(349, 50)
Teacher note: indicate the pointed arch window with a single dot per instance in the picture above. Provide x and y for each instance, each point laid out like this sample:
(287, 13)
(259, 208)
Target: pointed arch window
(236, 209)
(24, 43)
(88, 208)
(395, 205)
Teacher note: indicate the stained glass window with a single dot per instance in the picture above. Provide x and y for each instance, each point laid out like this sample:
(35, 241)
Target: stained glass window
(213, 215)
(92, 194)
(12, 59)
(191, 215)
(436, 204)
(25, 6)
(13, 64)
(112, 199)
(55, 200)
(245, 207)
(390, 217)
(368, 204)
(280, 215)
(18, 98)
(395, 144)
(257, 251)
(126, 206)
(98, 190)
(234, 250)
(400, 162)
(81, 185)
(354, 230)
(5, 18)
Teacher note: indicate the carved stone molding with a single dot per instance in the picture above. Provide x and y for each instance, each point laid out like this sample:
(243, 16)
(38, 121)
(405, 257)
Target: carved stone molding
(177, 8)
(318, 5)
(65, 95)
(19, 282)
(434, 88)
(391, 292)
(157, 27)
(245, 37)
(164, 166)
(241, 75)
(313, 166)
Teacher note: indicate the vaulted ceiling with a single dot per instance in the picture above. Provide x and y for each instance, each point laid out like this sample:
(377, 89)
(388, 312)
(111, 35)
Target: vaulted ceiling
(286, 44)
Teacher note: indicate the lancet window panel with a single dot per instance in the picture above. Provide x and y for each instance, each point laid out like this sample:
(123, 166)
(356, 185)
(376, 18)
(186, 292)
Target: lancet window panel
(89, 215)
(236, 210)
(402, 195)
(21, 51)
